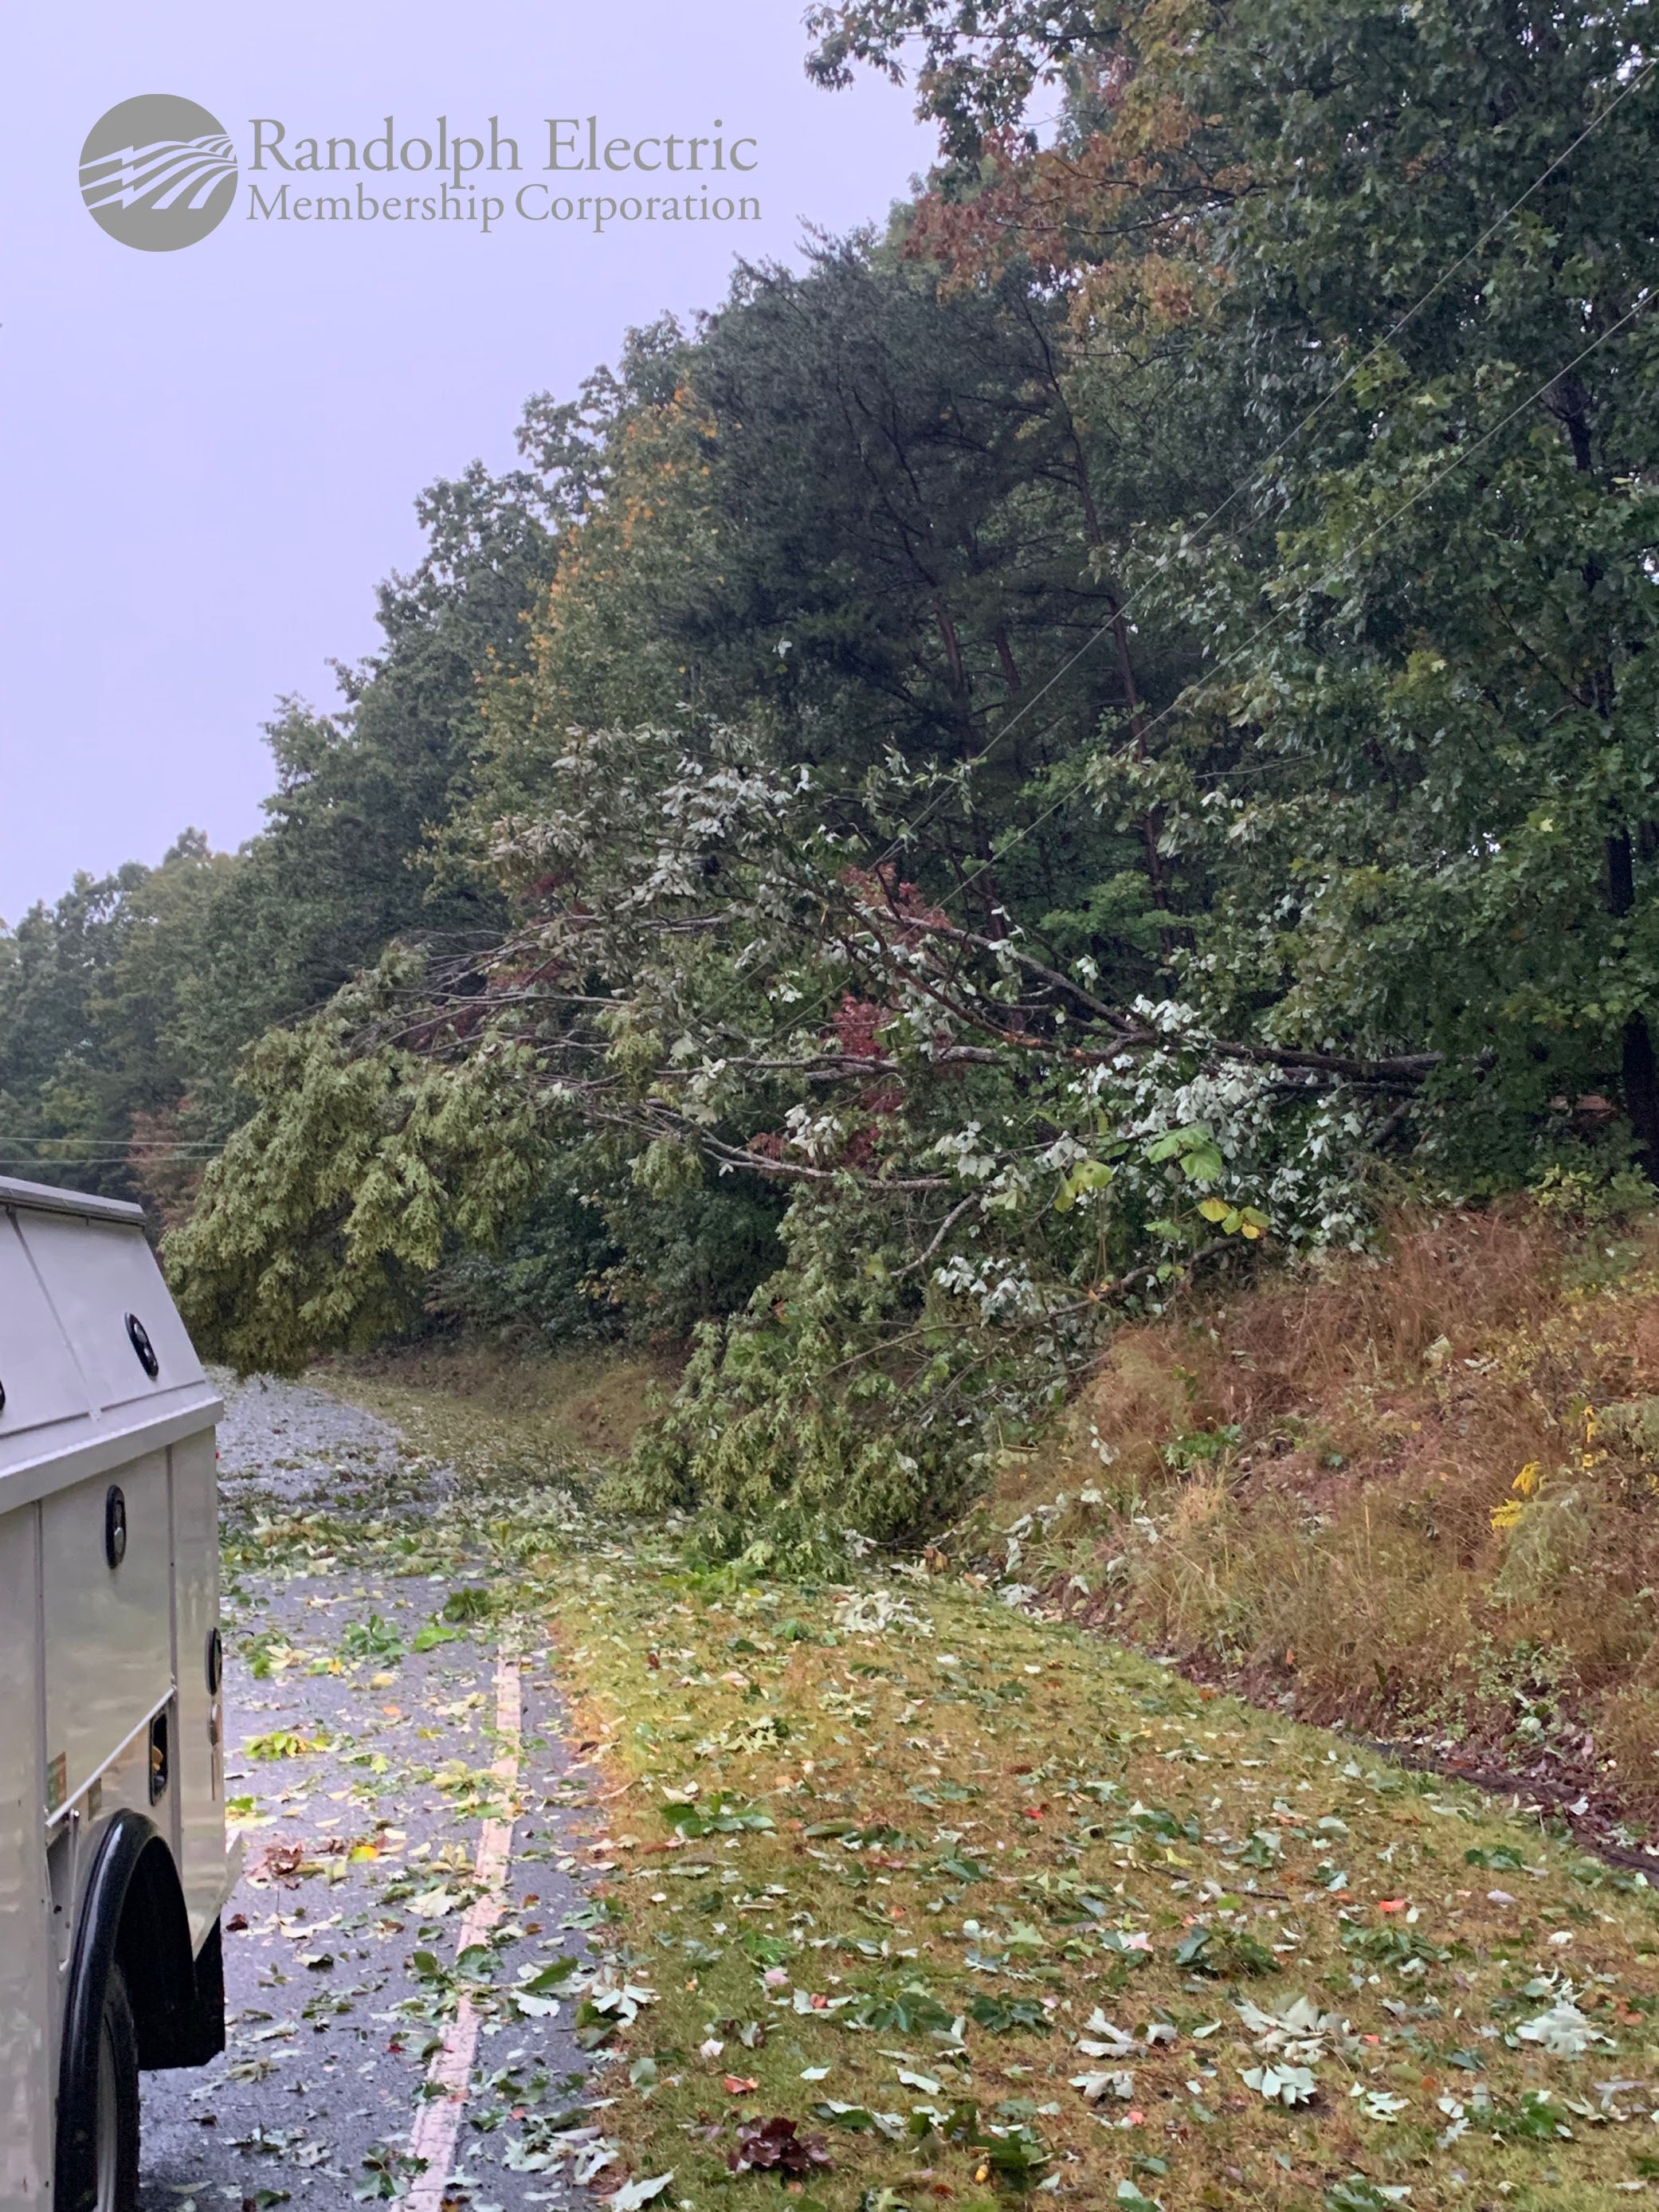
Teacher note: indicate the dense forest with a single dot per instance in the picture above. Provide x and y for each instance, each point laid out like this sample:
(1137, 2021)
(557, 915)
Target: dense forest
(1076, 743)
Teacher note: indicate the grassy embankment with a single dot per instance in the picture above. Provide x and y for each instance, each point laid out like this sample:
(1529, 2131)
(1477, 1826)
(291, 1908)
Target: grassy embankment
(957, 1892)
(1417, 1499)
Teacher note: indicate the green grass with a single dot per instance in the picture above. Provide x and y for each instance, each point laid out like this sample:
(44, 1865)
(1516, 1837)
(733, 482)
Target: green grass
(982, 1835)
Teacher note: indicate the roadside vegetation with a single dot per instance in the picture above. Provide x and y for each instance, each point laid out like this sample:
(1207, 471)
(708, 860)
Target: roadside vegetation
(1057, 755)
(1410, 1492)
(977, 972)
(916, 1898)
(1414, 1492)
(559, 1410)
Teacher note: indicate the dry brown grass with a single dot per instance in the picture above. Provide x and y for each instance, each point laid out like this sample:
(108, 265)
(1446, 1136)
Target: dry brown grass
(581, 1407)
(1298, 1490)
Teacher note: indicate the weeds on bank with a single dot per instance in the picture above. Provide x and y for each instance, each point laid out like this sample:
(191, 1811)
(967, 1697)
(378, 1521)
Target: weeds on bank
(1421, 1495)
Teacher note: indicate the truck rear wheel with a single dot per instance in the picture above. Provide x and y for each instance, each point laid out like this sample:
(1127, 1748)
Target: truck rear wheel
(117, 2124)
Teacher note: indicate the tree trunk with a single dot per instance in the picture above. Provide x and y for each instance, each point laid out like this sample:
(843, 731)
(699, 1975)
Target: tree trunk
(1639, 1075)
(1638, 1071)
(1642, 1093)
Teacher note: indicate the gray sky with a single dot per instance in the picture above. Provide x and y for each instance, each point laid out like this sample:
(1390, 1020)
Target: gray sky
(210, 455)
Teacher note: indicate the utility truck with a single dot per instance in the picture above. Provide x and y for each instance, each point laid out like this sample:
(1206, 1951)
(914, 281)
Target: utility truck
(113, 1867)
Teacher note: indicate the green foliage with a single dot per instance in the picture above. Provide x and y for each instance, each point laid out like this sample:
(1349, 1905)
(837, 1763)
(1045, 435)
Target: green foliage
(1009, 2016)
(125, 1008)
(1036, 758)
(373, 1639)
(97, 993)
(540, 1280)
(722, 1815)
(1224, 1954)
(322, 1218)
(910, 2010)
(1393, 1946)
(780, 1471)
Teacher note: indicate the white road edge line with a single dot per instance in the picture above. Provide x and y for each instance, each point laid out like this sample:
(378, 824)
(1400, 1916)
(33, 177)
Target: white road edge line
(438, 2123)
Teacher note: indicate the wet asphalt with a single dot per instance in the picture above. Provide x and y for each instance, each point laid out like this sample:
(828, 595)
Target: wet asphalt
(360, 1767)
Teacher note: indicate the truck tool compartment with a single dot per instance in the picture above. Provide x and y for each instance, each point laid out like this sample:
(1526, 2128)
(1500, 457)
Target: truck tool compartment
(113, 1867)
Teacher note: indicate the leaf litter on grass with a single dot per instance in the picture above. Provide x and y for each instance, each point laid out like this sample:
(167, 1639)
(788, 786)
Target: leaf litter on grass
(1109, 1783)
(829, 1887)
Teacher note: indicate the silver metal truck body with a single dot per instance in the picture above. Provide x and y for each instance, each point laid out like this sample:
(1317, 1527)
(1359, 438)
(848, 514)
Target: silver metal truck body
(111, 1790)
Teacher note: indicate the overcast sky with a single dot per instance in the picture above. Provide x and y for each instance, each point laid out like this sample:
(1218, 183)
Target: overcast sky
(212, 454)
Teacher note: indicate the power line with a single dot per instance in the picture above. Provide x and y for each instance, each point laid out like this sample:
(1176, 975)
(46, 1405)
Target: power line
(1256, 480)
(195, 1150)
(108, 1158)
(1295, 605)
(907, 830)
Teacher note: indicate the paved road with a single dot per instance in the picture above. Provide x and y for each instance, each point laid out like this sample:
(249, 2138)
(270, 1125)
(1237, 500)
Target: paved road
(362, 1857)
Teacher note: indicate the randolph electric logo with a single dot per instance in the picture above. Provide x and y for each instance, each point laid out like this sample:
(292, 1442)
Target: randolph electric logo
(159, 172)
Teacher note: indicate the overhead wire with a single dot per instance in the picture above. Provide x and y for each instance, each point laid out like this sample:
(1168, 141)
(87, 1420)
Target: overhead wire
(1294, 606)
(1255, 481)
(1259, 476)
